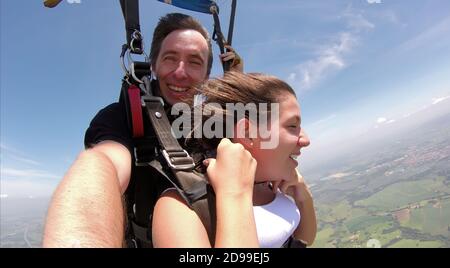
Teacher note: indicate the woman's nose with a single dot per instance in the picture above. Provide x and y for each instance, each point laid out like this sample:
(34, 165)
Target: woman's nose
(303, 139)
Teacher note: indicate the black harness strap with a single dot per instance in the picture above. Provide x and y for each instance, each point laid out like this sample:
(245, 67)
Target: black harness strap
(231, 26)
(218, 35)
(193, 188)
(130, 11)
(293, 243)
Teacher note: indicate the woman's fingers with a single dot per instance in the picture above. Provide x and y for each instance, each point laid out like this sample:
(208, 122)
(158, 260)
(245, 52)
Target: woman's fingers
(275, 186)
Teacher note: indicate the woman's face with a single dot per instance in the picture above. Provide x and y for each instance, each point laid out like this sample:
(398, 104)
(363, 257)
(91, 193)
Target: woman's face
(279, 163)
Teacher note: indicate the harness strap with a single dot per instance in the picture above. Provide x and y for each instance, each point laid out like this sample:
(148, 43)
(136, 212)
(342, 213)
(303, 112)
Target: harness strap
(134, 97)
(293, 243)
(197, 193)
(142, 235)
(130, 12)
(218, 35)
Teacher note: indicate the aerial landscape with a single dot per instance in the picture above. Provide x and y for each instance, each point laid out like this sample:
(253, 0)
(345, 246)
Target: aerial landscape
(395, 194)
(371, 78)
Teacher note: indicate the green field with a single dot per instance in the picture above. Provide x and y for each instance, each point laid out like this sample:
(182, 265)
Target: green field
(424, 222)
(408, 243)
(402, 194)
(433, 218)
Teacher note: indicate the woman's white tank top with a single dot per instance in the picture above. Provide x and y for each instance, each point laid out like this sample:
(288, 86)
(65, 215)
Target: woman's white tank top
(276, 221)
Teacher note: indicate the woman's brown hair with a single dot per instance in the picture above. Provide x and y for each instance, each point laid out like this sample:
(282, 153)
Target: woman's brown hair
(233, 88)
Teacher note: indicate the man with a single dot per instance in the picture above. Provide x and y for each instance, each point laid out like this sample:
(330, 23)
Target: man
(87, 208)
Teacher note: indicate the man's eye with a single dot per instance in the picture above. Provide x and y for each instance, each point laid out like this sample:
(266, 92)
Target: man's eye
(196, 63)
(169, 58)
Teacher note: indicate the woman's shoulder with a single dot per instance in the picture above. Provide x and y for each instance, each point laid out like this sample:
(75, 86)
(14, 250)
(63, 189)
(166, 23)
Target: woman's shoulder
(174, 224)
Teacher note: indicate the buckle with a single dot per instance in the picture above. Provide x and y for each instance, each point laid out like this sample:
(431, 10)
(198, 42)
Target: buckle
(176, 156)
(150, 98)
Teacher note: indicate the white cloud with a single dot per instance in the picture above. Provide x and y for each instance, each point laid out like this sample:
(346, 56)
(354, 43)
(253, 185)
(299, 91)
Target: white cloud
(356, 21)
(374, 1)
(26, 173)
(27, 188)
(434, 34)
(324, 120)
(4, 147)
(333, 56)
(9, 152)
(381, 120)
(19, 176)
(434, 101)
(25, 160)
(330, 59)
(437, 100)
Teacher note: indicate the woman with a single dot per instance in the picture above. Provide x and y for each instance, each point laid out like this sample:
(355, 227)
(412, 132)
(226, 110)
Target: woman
(260, 208)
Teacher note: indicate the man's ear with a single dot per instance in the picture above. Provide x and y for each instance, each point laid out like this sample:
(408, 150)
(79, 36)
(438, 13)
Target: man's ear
(242, 133)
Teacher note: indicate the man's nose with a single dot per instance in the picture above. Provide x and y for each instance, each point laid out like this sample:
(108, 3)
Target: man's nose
(180, 71)
(303, 139)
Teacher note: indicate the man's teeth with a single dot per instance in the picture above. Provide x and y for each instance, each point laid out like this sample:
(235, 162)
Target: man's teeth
(294, 157)
(178, 89)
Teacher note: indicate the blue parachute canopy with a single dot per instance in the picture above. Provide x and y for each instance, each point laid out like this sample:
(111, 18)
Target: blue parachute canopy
(194, 5)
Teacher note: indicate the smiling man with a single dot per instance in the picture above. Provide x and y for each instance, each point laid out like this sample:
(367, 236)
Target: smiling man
(87, 209)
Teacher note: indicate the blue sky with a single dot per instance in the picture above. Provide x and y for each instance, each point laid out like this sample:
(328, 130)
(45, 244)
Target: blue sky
(356, 66)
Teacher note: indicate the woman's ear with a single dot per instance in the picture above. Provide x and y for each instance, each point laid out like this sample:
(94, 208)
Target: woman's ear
(242, 133)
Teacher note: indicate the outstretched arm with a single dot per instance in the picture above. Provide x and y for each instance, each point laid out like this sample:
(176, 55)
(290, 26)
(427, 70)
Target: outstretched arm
(86, 209)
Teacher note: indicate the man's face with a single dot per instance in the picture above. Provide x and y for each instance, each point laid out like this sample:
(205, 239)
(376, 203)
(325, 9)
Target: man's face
(181, 64)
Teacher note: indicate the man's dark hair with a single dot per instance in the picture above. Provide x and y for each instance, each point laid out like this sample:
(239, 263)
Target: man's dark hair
(177, 21)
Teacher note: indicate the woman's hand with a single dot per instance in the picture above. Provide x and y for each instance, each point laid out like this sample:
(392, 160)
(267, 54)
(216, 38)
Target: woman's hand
(237, 64)
(232, 176)
(233, 170)
(295, 186)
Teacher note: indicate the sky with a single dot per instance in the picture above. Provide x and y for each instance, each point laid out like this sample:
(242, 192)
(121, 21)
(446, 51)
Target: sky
(356, 66)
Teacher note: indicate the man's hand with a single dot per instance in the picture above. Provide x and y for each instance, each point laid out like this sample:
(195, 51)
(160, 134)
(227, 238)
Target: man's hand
(237, 64)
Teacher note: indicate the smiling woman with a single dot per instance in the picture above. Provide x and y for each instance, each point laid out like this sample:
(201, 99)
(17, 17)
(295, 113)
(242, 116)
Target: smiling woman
(279, 196)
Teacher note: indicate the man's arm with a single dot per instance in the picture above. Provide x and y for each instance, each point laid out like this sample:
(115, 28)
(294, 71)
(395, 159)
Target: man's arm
(86, 209)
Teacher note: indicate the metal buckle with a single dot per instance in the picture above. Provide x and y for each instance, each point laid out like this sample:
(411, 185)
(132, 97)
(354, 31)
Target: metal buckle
(182, 166)
(152, 99)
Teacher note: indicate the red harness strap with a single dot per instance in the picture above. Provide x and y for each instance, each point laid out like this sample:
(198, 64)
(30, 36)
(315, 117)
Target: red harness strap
(134, 97)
